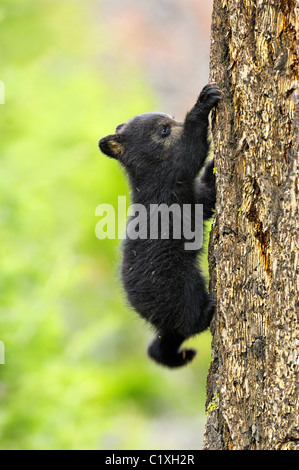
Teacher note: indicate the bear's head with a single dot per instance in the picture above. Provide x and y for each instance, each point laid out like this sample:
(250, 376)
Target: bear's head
(143, 141)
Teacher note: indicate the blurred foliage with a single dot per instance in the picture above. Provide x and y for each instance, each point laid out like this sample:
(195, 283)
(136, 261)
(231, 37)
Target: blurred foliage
(76, 373)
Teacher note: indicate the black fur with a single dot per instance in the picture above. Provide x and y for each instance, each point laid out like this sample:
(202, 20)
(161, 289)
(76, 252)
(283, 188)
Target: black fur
(161, 278)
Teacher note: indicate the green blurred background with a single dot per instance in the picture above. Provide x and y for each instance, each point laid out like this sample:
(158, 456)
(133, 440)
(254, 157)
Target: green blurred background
(76, 374)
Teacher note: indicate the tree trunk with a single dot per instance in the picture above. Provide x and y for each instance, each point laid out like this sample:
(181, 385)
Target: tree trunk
(252, 398)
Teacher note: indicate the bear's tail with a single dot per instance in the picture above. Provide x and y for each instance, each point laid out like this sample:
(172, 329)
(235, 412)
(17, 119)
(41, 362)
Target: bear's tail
(165, 350)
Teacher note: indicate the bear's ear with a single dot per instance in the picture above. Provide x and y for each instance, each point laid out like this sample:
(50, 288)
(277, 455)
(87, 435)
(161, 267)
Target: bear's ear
(111, 146)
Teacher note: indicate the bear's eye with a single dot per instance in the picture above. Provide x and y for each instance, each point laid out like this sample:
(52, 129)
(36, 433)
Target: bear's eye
(165, 131)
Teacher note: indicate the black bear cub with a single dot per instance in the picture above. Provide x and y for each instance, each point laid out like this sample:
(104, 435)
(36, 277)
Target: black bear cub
(161, 277)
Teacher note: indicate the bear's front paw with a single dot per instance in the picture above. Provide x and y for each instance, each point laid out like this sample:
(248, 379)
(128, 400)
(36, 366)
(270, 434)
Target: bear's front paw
(209, 97)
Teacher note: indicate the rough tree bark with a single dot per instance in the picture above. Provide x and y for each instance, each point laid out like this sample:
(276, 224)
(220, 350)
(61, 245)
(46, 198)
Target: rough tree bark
(252, 384)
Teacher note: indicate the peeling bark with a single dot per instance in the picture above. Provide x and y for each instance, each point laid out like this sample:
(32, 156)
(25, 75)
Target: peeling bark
(253, 377)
